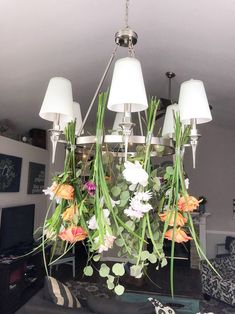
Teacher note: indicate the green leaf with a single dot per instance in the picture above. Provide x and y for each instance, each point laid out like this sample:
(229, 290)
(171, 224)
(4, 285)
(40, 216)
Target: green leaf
(111, 278)
(152, 258)
(163, 262)
(119, 242)
(157, 184)
(110, 284)
(144, 255)
(119, 289)
(96, 258)
(131, 224)
(125, 195)
(169, 170)
(159, 148)
(119, 230)
(88, 271)
(118, 269)
(124, 186)
(115, 191)
(123, 202)
(104, 270)
(78, 173)
(136, 271)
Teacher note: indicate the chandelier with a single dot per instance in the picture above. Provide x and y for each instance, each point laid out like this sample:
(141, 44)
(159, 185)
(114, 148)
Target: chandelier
(127, 96)
(125, 201)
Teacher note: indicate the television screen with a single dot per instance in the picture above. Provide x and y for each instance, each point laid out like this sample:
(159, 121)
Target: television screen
(17, 225)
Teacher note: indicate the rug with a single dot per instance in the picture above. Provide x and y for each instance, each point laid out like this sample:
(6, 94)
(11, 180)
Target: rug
(100, 290)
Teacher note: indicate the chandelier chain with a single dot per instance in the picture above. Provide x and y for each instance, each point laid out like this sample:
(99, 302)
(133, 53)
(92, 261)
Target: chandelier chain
(127, 14)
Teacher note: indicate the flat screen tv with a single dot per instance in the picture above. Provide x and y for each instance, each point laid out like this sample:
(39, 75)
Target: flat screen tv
(16, 230)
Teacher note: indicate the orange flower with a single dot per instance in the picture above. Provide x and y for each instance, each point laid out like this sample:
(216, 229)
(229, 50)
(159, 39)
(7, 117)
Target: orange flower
(65, 191)
(180, 220)
(73, 234)
(179, 236)
(189, 204)
(69, 213)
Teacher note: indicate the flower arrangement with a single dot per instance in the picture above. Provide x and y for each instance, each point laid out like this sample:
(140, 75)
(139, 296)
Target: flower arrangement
(129, 204)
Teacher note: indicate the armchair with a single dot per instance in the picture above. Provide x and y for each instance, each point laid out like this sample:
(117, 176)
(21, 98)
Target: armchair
(220, 288)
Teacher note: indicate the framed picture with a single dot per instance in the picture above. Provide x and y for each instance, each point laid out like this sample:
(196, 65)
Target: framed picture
(10, 171)
(36, 178)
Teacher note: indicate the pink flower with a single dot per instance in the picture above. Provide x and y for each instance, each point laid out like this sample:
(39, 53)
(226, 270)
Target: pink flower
(90, 187)
(73, 234)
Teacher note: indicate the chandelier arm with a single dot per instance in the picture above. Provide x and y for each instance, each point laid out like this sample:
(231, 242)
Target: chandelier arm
(98, 88)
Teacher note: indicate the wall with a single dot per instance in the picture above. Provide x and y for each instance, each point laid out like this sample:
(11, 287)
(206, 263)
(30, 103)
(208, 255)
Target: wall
(214, 178)
(33, 154)
(28, 153)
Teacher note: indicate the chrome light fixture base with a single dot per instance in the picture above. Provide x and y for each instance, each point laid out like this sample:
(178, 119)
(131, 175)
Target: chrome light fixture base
(126, 37)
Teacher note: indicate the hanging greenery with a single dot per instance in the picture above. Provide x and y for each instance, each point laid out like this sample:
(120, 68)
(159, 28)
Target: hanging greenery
(130, 204)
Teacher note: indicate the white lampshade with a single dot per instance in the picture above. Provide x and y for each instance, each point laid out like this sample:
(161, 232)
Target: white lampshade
(64, 120)
(168, 129)
(193, 103)
(58, 99)
(117, 121)
(127, 86)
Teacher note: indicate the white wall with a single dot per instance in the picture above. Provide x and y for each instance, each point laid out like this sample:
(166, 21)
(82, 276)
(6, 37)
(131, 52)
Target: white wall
(34, 154)
(27, 153)
(214, 177)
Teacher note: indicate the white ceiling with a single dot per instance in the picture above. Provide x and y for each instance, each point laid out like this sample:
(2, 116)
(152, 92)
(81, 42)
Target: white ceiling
(40, 39)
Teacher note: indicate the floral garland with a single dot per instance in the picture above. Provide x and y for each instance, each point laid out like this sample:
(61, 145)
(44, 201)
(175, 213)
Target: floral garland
(130, 204)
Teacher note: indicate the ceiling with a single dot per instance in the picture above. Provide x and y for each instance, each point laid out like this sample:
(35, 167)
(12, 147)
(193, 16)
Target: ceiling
(40, 39)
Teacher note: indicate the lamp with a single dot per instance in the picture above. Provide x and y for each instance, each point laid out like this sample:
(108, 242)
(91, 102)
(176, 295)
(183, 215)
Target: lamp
(127, 86)
(168, 129)
(194, 109)
(76, 116)
(57, 105)
(58, 100)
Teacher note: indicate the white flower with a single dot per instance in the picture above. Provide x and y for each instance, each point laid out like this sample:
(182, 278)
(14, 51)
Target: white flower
(92, 223)
(135, 173)
(49, 192)
(139, 206)
(143, 196)
(113, 203)
(133, 213)
(108, 242)
(186, 181)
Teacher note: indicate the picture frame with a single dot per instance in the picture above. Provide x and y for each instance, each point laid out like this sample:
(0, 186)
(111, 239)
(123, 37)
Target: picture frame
(36, 178)
(10, 173)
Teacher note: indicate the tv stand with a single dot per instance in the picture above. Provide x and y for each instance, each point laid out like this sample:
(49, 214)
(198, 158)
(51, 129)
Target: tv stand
(20, 278)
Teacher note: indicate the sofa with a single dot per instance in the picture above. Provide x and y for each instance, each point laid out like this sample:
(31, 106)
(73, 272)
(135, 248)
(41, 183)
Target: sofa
(221, 288)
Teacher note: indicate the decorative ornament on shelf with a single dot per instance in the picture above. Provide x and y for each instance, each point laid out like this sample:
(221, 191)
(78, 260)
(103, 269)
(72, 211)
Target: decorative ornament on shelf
(126, 201)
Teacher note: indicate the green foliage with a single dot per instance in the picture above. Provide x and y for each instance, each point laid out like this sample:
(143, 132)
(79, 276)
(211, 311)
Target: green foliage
(104, 270)
(88, 271)
(119, 289)
(116, 190)
(118, 269)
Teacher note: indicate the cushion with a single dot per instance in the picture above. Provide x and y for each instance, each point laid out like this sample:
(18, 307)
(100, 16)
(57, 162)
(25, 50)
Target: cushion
(114, 306)
(56, 292)
(160, 308)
